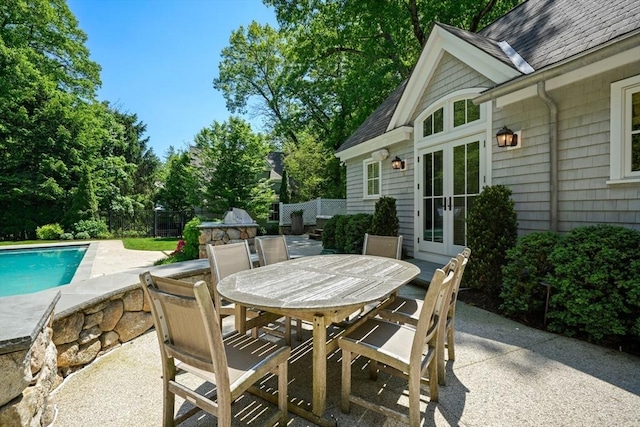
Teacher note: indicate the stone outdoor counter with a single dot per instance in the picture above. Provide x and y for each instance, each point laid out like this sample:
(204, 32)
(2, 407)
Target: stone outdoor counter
(218, 233)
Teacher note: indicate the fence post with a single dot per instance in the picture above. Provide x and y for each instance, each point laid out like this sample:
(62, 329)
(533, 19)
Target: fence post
(280, 214)
(318, 206)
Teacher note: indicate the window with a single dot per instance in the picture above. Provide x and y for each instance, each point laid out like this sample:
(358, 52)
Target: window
(625, 130)
(372, 178)
(465, 111)
(274, 212)
(434, 123)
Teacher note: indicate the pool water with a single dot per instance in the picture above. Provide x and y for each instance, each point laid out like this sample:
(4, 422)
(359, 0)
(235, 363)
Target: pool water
(23, 271)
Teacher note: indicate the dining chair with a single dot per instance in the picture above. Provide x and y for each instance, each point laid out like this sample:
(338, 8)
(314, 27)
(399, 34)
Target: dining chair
(386, 246)
(225, 260)
(407, 310)
(401, 350)
(191, 341)
(270, 251)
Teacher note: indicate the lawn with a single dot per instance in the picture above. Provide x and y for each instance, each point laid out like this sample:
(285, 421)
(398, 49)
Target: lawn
(151, 244)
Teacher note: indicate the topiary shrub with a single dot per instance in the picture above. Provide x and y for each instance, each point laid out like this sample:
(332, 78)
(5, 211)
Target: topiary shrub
(341, 230)
(329, 232)
(66, 236)
(356, 227)
(385, 218)
(595, 290)
(49, 232)
(83, 235)
(492, 230)
(93, 227)
(526, 266)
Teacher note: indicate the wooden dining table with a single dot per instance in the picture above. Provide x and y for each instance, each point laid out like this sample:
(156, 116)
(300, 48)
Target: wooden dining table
(322, 290)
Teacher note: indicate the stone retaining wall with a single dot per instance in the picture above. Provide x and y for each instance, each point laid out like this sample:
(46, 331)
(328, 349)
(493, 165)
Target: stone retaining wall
(221, 234)
(29, 377)
(83, 335)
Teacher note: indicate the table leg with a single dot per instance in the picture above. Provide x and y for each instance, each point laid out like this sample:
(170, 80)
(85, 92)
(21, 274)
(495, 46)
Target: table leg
(319, 365)
(241, 318)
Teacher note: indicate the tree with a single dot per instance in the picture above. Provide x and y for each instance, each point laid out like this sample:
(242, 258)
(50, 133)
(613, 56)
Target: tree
(179, 191)
(232, 171)
(284, 195)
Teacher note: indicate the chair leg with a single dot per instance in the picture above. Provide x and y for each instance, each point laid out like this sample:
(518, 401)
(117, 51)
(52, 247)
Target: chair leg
(169, 374)
(299, 329)
(373, 370)
(440, 358)
(450, 342)
(346, 381)
(287, 330)
(282, 392)
(414, 399)
(433, 381)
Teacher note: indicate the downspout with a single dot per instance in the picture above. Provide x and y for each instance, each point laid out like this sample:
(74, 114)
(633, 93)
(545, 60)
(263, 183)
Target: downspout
(553, 153)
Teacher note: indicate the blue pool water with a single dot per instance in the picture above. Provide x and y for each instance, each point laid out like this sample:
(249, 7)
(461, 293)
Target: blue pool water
(23, 271)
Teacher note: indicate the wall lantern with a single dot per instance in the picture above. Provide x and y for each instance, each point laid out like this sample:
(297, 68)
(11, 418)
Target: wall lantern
(398, 164)
(506, 137)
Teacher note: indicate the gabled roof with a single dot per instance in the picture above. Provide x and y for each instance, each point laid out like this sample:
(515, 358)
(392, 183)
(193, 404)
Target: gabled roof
(376, 124)
(538, 34)
(275, 159)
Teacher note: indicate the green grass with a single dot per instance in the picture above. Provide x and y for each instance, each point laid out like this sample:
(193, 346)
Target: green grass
(29, 242)
(151, 244)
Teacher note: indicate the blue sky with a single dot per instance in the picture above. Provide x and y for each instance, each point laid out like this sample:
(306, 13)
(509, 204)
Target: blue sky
(159, 59)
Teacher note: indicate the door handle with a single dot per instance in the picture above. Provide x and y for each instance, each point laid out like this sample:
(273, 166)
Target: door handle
(449, 202)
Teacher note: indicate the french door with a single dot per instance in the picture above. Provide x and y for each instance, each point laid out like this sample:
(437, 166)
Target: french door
(449, 181)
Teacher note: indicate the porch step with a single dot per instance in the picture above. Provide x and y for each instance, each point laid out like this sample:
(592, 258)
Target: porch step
(316, 235)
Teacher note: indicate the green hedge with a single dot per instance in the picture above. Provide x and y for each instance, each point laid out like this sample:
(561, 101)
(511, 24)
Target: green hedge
(345, 233)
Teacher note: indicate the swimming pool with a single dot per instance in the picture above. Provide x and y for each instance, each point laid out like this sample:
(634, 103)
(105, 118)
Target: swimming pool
(23, 271)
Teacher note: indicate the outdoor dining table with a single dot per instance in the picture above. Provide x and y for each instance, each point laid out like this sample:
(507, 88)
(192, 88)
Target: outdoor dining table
(322, 290)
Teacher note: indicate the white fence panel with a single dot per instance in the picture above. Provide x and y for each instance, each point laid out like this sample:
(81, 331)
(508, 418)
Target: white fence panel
(313, 209)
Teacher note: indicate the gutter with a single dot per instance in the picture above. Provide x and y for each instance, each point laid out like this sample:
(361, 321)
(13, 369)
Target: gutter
(553, 153)
(612, 47)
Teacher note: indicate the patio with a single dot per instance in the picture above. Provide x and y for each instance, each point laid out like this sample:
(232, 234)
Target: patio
(505, 374)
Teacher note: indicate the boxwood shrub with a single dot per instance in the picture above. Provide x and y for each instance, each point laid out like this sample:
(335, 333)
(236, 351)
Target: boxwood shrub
(329, 232)
(49, 232)
(341, 230)
(356, 227)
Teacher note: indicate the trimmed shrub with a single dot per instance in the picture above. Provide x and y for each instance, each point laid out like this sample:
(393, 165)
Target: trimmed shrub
(329, 232)
(91, 226)
(83, 235)
(595, 290)
(356, 227)
(66, 236)
(49, 232)
(385, 218)
(492, 230)
(191, 234)
(341, 230)
(527, 265)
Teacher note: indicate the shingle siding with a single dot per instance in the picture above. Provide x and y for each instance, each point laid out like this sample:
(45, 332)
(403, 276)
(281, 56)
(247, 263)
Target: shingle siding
(584, 198)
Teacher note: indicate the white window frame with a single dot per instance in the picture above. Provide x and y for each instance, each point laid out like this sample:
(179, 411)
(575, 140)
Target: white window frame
(620, 125)
(366, 179)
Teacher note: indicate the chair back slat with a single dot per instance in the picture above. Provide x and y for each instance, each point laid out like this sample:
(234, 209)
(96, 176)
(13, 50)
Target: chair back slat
(229, 259)
(271, 250)
(385, 246)
(434, 302)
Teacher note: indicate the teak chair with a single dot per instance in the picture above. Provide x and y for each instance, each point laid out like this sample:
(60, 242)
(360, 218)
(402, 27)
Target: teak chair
(270, 251)
(225, 260)
(407, 310)
(400, 349)
(386, 246)
(190, 340)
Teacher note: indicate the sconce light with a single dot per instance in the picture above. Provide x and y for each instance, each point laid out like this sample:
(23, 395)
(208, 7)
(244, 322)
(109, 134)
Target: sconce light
(398, 164)
(506, 137)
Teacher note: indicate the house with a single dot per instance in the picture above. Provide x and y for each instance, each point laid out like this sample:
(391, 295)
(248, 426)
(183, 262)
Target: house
(564, 75)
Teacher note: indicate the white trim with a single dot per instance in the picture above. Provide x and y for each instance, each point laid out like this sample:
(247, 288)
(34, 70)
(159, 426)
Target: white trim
(515, 57)
(620, 148)
(440, 41)
(602, 66)
(396, 136)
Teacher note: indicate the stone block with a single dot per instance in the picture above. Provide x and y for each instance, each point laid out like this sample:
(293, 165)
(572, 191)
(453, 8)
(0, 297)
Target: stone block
(38, 349)
(89, 335)
(67, 329)
(133, 324)
(133, 300)
(112, 314)
(233, 233)
(16, 375)
(77, 355)
(109, 339)
(96, 308)
(93, 319)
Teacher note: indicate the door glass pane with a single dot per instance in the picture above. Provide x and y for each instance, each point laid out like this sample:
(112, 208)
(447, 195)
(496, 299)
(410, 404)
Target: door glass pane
(438, 219)
(428, 174)
(428, 220)
(459, 215)
(473, 168)
(438, 121)
(459, 169)
(438, 171)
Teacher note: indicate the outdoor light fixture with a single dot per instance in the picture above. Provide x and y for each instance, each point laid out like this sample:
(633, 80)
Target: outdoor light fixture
(398, 164)
(506, 137)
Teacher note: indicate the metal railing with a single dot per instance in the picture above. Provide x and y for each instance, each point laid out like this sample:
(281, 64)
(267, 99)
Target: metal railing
(313, 209)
